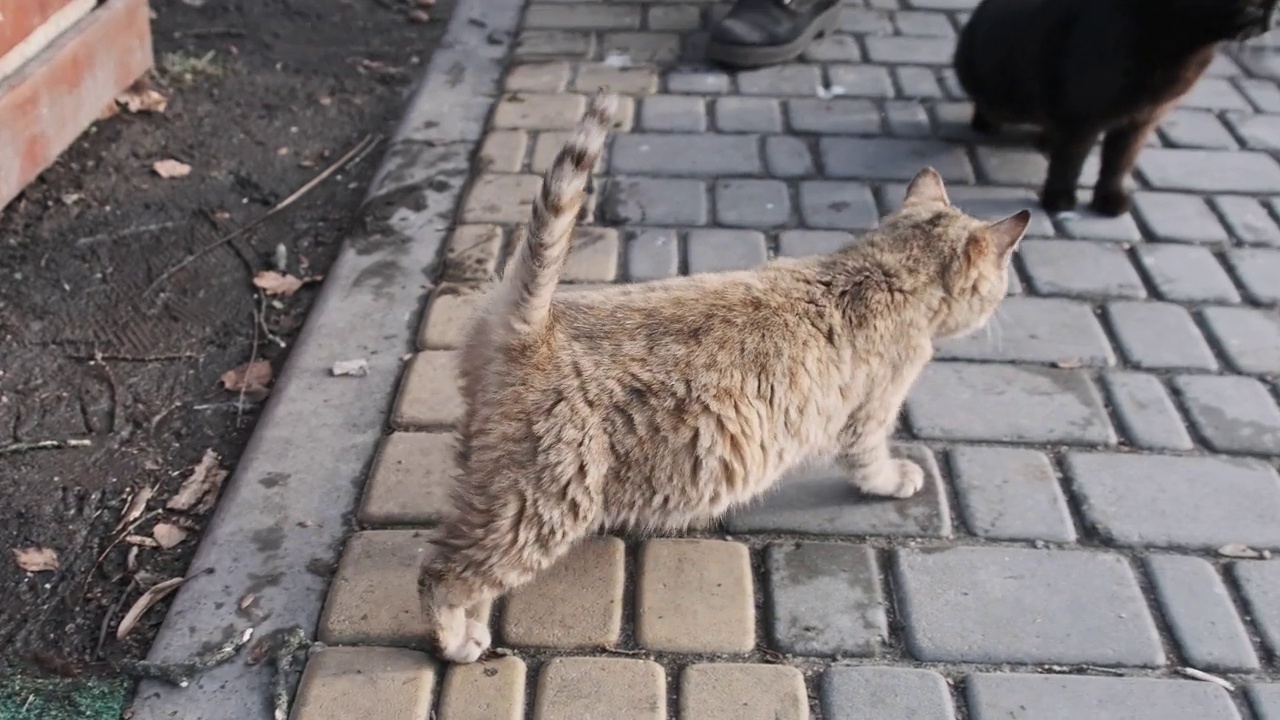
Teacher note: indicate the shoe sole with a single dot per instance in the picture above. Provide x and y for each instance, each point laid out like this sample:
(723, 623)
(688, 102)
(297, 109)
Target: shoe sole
(752, 56)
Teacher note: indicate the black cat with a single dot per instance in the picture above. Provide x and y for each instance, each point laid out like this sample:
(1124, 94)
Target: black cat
(1082, 68)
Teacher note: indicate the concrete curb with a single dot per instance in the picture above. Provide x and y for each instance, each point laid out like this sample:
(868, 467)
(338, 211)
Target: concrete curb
(288, 508)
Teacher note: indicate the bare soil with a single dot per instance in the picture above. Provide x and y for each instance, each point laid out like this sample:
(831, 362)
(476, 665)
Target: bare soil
(263, 95)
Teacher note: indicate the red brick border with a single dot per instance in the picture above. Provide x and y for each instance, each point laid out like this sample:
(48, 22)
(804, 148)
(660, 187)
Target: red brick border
(46, 104)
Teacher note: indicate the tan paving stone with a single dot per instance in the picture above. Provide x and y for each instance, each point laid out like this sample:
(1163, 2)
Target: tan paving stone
(472, 253)
(600, 689)
(410, 480)
(577, 603)
(491, 690)
(720, 691)
(448, 316)
(498, 198)
(374, 596)
(548, 144)
(594, 257)
(371, 683)
(429, 396)
(624, 81)
(695, 596)
(502, 151)
(548, 77)
(539, 111)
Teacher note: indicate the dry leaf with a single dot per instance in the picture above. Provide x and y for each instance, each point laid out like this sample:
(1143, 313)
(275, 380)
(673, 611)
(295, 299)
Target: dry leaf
(1240, 551)
(419, 16)
(252, 376)
(131, 560)
(168, 535)
(277, 283)
(1069, 364)
(171, 168)
(258, 652)
(139, 98)
(36, 559)
(141, 541)
(199, 491)
(355, 368)
(152, 596)
(133, 511)
(247, 600)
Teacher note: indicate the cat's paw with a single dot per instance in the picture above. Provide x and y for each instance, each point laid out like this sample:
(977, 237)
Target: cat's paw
(984, 125)
(1111, 203)
(1056, 201)
(467, 646)
(910, 478)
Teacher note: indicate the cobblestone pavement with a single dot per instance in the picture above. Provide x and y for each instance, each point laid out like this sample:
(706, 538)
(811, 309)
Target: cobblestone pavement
(1100, 465)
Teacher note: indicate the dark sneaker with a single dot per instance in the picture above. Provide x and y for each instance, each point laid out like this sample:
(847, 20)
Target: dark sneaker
(767, 32)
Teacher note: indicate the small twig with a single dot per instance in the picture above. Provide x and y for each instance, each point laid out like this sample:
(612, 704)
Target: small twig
(308, 187)
(290, 643)
(182, 673)
(208, 32)
(121, 535)
(253, 357)
(137, 358)
(125, 233)
(106, 619)
(18, 448)
(363, 153)
(1195, 674)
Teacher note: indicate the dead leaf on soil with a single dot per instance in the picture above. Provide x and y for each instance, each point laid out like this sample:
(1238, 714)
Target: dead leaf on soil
(168, 535)
(131, 560)
(36, 559)
(152, 596)
(140, 98)
(141, 541)
(170, 168)
(354, 368)
(251, 377)
(134, 509)
(277, 283)
(258, 652)
(199, 491)
(247, 600)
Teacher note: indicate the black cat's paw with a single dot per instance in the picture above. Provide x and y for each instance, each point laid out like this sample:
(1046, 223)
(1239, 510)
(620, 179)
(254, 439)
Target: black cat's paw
(984, 125)
(1043, 141)
(1058, 201)
(1112, 203)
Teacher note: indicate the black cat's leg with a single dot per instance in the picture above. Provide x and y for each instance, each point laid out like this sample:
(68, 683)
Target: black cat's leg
(1066, 159)
(982, 122)
(1044, 140)
(1120, 150)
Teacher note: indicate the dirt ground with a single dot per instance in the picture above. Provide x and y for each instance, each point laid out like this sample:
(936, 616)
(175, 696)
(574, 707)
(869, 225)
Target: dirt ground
(262, 95)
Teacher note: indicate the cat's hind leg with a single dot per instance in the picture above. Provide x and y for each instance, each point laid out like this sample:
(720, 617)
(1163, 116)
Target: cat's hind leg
(1120, 150)
(1066, 160)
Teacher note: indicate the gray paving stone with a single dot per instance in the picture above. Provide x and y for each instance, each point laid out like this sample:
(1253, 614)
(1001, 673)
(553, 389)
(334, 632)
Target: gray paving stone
(1011, 165)
(653, 255)
(838, 205)
(834, 48)
(1214, 93)
(698, 82)
(788, 157)
(1259, 132)
(865, 21)
(907, 118)
(924, 24)
(1248, 220)
(883, 693)
(1210, 170)
(987, 203)
(1259, 584)
(803, 243)
(1232, 413)
(653, 201)
(1179, 217)
(893, 159)
(1147, 414)
(1159, 335)
(1197, 129)
(554, 44)
(696, 154)
(1010, 494)
(951, 83)
(943, 4)
(1017, 605)
(719, 250)
(1186, 273)
(1168, 501)
(1080, 269)
(909, 50)
(1201, 613)
(755, 115)
(1086, 225)
(781, 80)
(844, 116)
(827, 599)
(1249, 337)
(667, 17)
(1223, 66)
(1039, 330)
(673, 113)
(557, 16)
(861, 80)
(752, 203)
(917, 82)
(1265, 699)
(1263, 94)
(820, 501)
(1259, 273)
(642, 48)
(1014, 696)
(1005, 403)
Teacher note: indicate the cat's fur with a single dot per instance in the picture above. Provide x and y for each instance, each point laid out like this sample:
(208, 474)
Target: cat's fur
(659, 405)
(1084, 68)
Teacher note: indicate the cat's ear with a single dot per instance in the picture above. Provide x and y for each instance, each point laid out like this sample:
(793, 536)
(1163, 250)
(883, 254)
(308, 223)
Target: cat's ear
(1007, 233)
(926, 187)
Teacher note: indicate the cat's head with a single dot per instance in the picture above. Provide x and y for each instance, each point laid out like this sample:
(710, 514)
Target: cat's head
(964, 257)
(1221, 19)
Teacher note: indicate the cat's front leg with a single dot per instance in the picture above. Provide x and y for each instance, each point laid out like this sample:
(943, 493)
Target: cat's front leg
(874, 471)
(1066, 160)
(1120, 150)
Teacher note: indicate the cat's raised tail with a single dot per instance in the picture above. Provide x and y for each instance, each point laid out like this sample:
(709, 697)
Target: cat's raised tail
(532, 273)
